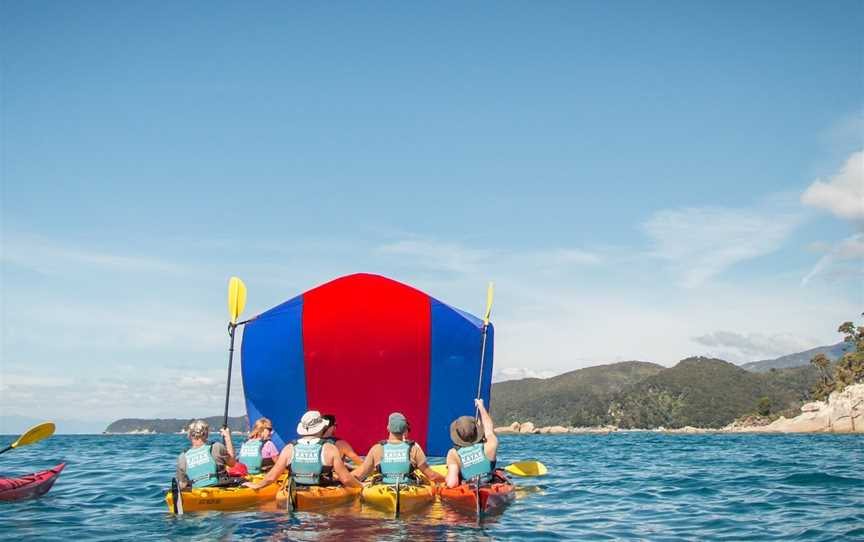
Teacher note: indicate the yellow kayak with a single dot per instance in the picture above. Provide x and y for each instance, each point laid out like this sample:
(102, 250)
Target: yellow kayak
(315, 497)
(412, 497)
(223, 498)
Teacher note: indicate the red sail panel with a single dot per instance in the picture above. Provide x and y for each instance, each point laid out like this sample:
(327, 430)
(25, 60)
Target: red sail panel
(366, 350)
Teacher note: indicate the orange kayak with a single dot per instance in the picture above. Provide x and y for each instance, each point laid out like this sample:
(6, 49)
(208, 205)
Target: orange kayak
(315, 497)
(223, 498)
(493, 497)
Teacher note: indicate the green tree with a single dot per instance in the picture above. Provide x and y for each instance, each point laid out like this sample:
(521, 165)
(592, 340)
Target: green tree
(849, 368)
(764, 406)
(825, 385)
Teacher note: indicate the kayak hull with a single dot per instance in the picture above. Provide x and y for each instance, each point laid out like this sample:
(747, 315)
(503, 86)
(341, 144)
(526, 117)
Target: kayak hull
(223, 498)
(411, 497)
(493, 498)
(317, 497)
(29, 486)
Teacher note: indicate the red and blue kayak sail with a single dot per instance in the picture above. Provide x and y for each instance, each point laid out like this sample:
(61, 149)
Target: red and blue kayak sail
(360, 347)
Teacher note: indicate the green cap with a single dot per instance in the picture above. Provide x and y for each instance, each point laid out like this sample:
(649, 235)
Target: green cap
(397, 423)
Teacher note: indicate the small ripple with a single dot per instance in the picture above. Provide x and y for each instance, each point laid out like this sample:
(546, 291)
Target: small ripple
(820, 479)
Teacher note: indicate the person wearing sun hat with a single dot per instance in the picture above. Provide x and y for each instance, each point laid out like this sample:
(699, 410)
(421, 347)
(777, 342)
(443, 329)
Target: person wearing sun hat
(312, 460)
(396, 457)
(476, 448)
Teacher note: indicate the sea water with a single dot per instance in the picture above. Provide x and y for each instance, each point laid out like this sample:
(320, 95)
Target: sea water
(621, 486)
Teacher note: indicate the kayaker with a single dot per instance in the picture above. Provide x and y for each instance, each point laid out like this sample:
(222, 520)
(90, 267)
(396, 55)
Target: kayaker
(203, 465)
(345, 448)
(259, 453)
(476, 448)
(313, 460)
(397, 457)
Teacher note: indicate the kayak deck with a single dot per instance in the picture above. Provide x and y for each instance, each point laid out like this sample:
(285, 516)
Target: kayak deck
(412, 497)
(493, 497)
(315, 497)
(223, 498)
(29, 486)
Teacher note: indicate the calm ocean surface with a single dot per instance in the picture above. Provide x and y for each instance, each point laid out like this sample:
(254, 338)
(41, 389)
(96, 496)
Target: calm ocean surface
(617, 487)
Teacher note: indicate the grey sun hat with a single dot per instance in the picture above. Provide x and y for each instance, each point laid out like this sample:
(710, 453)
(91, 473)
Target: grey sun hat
(311, 424)
(465, 431)
(198, 429)
(397, 423)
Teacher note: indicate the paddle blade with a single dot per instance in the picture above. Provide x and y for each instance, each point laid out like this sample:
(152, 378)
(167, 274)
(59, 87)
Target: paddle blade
(236, 298)
(489, 293)
(527, 468)
(35, 434)
(440, 469)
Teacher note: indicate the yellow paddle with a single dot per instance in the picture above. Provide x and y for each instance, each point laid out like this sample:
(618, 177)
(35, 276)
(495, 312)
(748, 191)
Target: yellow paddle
(236, 303)
(521, 468)
(32, 435)
(236, 298)
(527, 468)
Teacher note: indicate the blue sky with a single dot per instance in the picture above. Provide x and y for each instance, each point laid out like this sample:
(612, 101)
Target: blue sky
(642, 180)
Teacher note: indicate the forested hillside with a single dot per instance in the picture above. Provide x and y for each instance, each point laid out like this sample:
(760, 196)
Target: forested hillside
(700, 392)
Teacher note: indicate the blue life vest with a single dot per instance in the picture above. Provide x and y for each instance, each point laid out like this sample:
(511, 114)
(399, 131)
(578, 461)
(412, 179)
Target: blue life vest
(474, 462)
(395, 463)
(308, 461)
(250, 455)
(201, 468)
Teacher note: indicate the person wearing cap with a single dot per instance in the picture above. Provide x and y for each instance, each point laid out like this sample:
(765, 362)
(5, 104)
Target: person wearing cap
(312, 460)
(396, 458)
(345, 448)
(476, 448)
(203, 464)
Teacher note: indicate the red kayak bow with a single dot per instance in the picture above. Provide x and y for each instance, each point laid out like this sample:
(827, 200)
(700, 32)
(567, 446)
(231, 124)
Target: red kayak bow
(29, 486)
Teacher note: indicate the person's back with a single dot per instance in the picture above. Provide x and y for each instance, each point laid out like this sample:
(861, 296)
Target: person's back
(476, 449)
(396, 458)
(203, 464)
(309, 464)
(312, 460)
(258, 453)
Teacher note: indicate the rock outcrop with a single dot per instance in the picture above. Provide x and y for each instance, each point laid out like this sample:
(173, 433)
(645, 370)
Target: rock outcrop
(843, 412)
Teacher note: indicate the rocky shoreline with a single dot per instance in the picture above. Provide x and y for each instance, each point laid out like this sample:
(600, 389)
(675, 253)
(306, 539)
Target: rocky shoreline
(843, 412)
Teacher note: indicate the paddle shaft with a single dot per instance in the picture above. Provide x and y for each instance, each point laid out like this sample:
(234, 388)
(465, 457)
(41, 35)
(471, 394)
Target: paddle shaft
(398, 491)
(231, 329)
(479, 504)
(6, 449)
(482, 362)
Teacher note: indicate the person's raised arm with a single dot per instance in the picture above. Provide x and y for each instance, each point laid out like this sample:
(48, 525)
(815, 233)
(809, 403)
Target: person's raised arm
(491, 447)
(340, 470)
(230, 461)
(278, 468)
(452, 469)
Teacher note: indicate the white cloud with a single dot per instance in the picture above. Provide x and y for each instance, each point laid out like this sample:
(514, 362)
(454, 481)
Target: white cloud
(702, 242)
(846, 257)
(739, 347)
(122, 394)
(456, 257)
(93, 328)
(51, 258)
(451, 257)
(842, 194)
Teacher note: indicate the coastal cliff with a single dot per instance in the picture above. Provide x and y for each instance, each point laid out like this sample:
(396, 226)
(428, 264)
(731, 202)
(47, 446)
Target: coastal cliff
(843, 412)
